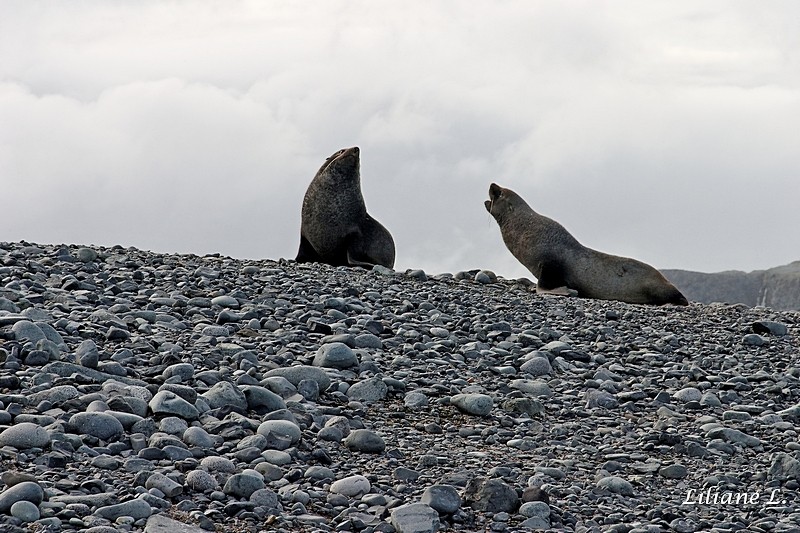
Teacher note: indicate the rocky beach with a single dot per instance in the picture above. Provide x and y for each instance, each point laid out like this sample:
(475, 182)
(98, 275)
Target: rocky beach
(155, 392)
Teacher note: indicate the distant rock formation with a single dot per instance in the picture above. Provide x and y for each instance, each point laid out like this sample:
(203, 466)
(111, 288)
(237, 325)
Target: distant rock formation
(778, 288)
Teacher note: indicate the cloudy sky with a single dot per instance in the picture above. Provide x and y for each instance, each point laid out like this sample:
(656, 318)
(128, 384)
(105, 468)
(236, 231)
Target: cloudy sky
(666, 131)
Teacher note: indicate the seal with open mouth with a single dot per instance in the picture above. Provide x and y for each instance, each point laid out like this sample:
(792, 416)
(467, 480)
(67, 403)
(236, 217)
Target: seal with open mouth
(562, 265)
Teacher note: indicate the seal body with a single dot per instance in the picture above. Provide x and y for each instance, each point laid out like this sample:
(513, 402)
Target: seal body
(335, 227)
(559, 261)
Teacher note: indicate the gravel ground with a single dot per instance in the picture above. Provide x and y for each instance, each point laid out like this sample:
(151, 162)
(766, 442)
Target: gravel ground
(152, 392)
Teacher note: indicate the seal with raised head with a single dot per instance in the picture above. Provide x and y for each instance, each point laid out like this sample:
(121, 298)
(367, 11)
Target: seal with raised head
(335, 227)
(562, 265)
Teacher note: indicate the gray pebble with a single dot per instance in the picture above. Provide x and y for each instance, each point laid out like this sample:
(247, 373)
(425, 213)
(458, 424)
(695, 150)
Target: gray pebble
(225, 394)
(616, 485)
(296, 374)
(351, 486)
(442, 498)
(492, 495)
(335, 355)
(368, 390)
(473, 403)
(415, 518)
(243, 485)
(135, 508)
(168, 403)
(537, 366)
(26, 511)
(98, 424)
(25, 491)
(25, 435)
(365, 440)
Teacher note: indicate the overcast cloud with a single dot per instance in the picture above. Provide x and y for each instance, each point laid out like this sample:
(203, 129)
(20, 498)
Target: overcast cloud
(665, 131)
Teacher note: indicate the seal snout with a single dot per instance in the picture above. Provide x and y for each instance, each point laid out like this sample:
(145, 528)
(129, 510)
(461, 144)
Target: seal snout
(494, 193)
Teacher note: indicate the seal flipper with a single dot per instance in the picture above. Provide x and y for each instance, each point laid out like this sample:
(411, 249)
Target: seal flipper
(307, 253)
(356, 256)
(551, 276)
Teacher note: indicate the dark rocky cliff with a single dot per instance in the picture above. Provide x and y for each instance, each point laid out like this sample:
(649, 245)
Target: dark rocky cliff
(777, 287)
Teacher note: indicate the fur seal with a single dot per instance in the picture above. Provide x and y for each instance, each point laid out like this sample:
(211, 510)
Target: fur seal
(560, 262)
(335, 227)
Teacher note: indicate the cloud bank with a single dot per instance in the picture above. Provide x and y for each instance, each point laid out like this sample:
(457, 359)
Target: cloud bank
(663, 131)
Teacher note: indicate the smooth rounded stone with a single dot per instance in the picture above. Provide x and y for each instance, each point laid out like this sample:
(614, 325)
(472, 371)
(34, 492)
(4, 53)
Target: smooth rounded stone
(415, 400)
(168, 486)
(771, 327)
(351, 486)
(243, 485)
(86, 254)
(215, 463)
(37, 358)
(368, 340)
(27, 491)
(688, 394)
(136, 508)
(265, 498)
(25, 330)
(335, 355)
(330, 434)
(87, 354)
(296, 374)
(473, 403)
(368, 390)
(483, 277)
(364, 440)
(533, 387)
(270, 471)
(261, 399)
(674, 471)
(97, 424)
(537, 366)
(754, 339)
(739, 416)
(173, 425)
(415, 518)
(442, 498)
(535, 509)
(106, 462)
(224, 394)
(25, 435)
(557, 347)
(279, 430)
(55, 395)
(168, 403)
(26, 511)
(277, 457)
(616, 485)
(319, 472)
(491, 495)
(733, 436)
(225, 301)
(197, 436)
(181, 371)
